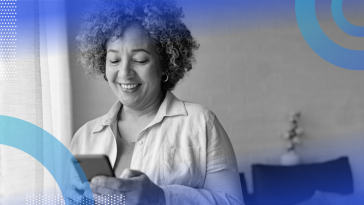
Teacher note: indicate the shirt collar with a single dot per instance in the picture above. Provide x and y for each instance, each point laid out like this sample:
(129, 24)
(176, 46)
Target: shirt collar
(109, 118)
(171, 106)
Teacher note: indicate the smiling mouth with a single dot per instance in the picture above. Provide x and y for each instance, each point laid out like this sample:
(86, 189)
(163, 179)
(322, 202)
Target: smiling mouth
(129, 86)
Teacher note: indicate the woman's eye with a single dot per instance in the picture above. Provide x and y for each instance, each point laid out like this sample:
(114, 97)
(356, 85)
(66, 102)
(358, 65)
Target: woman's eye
(114, 61)
(141, 61)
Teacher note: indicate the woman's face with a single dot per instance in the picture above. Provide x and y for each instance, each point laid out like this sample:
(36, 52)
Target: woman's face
(133, 68)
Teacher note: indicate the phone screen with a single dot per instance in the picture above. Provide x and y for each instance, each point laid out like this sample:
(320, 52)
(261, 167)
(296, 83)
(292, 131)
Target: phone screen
(95, 165)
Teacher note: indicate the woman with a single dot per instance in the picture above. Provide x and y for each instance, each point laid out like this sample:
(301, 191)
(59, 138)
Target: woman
(163, 150)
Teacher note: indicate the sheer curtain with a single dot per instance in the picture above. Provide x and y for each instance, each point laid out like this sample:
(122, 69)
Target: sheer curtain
(38, 91)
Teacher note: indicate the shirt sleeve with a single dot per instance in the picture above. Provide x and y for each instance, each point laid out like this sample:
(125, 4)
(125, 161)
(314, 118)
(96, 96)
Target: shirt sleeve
(222, 183)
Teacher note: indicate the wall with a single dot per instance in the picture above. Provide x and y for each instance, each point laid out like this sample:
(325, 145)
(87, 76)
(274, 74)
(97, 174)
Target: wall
(253, 68)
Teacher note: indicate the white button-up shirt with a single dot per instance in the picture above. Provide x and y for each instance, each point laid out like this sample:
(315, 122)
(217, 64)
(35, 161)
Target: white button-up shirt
(184, 150)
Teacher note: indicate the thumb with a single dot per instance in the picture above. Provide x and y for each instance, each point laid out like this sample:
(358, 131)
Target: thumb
(129, 173)
(86, 186)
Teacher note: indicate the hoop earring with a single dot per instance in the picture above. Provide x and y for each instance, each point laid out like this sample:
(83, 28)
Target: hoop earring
(105, 77)
(166, 78)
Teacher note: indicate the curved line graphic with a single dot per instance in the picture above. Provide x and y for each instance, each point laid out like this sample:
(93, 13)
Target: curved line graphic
(59, 166)
(320, 43)
(342, 22)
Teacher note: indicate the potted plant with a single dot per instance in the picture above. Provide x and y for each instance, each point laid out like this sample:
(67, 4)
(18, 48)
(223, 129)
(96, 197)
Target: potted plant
(292, 136)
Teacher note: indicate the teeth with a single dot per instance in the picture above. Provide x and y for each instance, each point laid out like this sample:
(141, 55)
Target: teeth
(129, 86)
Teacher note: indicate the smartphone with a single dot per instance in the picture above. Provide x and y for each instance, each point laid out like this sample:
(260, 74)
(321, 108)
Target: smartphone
(94, 165)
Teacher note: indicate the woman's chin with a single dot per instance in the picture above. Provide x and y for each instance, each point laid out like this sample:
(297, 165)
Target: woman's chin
(128, 102)
(129, 98)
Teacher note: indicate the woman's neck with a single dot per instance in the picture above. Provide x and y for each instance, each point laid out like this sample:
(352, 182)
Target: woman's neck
(147, 112)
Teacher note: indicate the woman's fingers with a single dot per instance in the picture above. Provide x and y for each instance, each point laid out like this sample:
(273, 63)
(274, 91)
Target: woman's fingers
(129, 173)
(136, 187)
(89, 195)
(102, 199)
(104, 190)
(123, 185)
(77, 183)
(86, 186)
(73, 197)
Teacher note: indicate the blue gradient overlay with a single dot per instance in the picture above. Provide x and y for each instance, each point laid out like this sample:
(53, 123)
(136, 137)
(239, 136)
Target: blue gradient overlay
(231, 14)
(320, 43)
(345, 25)
(54, 156)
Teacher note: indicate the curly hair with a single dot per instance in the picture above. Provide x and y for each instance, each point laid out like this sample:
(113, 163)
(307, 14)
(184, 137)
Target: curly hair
(162, 19)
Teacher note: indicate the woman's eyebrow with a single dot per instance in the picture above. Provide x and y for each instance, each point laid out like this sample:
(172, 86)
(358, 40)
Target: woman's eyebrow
(139, 50)
(112, 50)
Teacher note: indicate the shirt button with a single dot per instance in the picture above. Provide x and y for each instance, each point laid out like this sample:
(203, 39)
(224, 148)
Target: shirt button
(140, 142)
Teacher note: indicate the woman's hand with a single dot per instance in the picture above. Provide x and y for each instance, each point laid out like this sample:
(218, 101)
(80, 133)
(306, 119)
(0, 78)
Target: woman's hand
(75, 194)
(134, 185)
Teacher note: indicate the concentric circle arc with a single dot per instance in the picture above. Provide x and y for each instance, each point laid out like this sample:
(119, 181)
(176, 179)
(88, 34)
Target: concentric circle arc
(54, 156)
(320, 43)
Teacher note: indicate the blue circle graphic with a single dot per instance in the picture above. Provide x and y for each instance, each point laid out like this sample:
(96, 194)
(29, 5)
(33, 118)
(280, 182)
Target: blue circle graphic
(345, 25)
(320, 43)
(54, 156)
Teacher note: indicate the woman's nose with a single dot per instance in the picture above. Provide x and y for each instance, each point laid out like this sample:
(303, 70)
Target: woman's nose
(126, 70)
